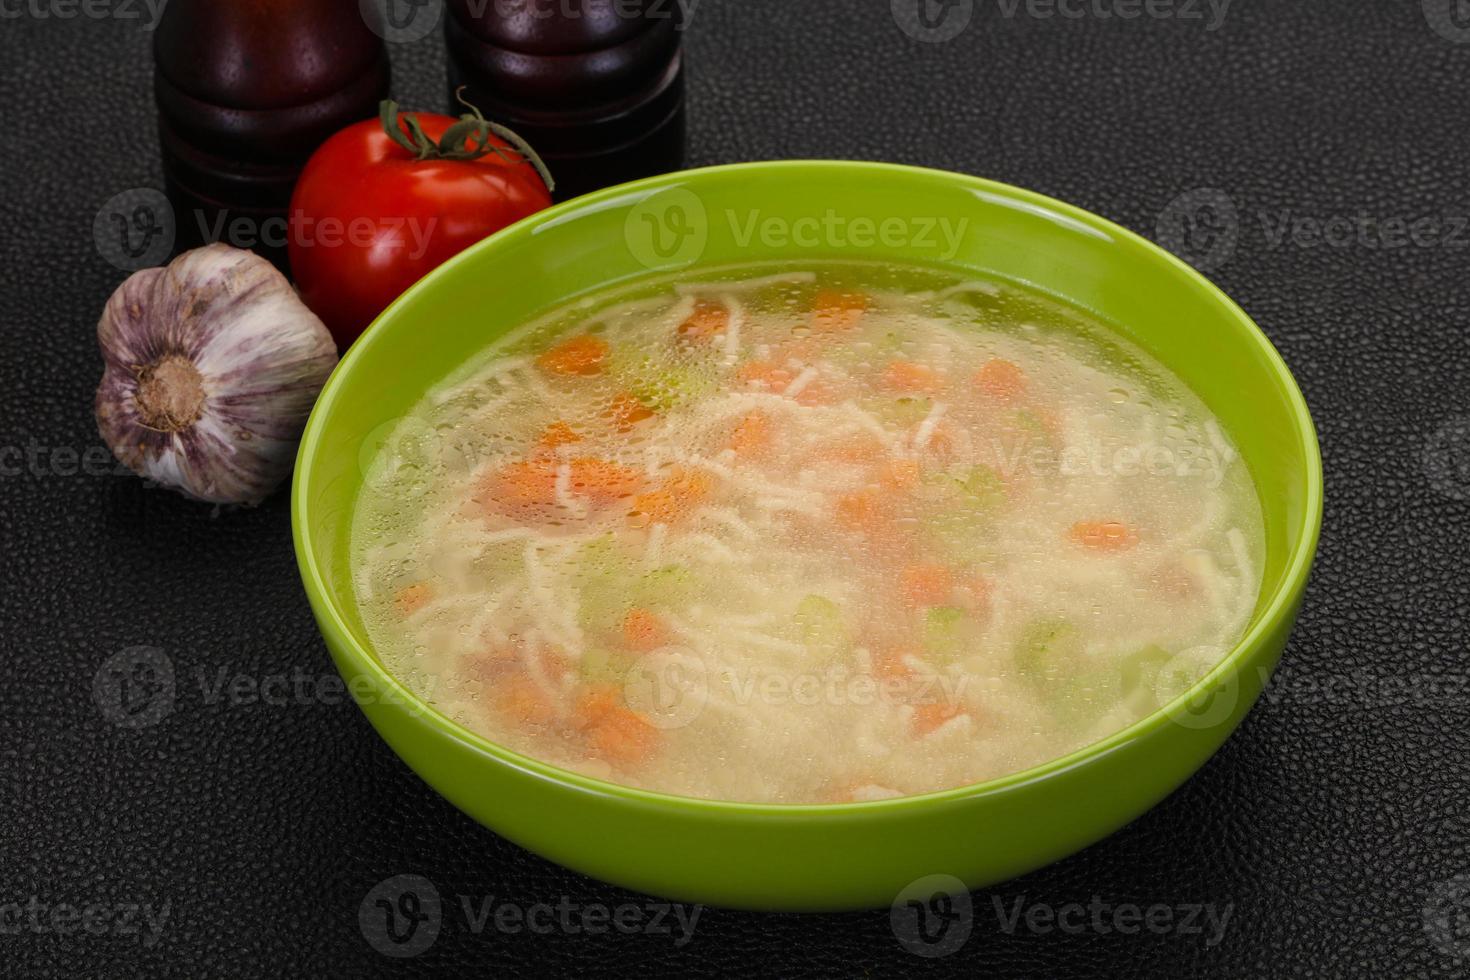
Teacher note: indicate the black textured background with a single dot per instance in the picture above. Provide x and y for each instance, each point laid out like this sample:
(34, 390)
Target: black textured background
(1334, 823)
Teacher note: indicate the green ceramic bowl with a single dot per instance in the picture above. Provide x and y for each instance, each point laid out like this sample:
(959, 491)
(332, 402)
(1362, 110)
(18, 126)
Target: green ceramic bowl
(820, 856)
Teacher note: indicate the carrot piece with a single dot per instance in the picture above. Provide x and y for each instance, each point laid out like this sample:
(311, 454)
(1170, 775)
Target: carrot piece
(644, 630)
(854, 449)
(1001, 379)
(752, 435)
(899, 474)
(834, 311)
(1104, 535)
(974, 593)
(911, 377)
(624, 738)
(555, 663)
(860, 511)
(520, 699)
(805, 349)
(627, 411)
(941, 442)
(708, 319)
(683, 490)
(889, 665)
(766, 374)
(532, 482)
(653, 507)
(816, 392)
(491, 662)
(581, 355)
(411, 598)
(526, 483)
(603, 479)
(932, 714)
(557, 434)
(925, 585)
(596, 703)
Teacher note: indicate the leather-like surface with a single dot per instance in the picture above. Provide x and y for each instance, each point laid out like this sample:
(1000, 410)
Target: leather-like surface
(1332, 826)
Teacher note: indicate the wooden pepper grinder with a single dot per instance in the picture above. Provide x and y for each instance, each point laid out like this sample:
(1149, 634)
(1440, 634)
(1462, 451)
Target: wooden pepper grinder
(596, 86)
(246, 90)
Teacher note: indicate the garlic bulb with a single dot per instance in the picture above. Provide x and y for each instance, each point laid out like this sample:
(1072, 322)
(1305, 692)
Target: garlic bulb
(212, 365)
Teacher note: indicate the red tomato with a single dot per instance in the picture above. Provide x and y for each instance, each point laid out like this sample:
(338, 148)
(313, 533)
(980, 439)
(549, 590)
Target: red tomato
(368, 219)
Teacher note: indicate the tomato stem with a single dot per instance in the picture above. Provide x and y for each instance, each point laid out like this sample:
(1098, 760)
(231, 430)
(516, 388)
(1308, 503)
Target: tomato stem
(468, 139)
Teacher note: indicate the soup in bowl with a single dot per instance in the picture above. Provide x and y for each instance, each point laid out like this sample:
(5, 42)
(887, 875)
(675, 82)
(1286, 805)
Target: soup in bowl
(808, 529)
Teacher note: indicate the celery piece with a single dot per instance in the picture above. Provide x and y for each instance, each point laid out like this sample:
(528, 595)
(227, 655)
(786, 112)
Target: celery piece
(948, 633)
(656, 382)
(604, 599)
(604, 603)
(821, 627)
(1046, 649)
(907, 410)
(1082, 699)
(600, 666)
(1140, 670)
(957, 536)
(1138, 674)
(498, 562)
(983, 487)
(1030, 424)
(668, 585)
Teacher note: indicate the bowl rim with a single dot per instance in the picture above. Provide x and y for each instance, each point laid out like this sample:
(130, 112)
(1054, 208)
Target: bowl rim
(344, 644)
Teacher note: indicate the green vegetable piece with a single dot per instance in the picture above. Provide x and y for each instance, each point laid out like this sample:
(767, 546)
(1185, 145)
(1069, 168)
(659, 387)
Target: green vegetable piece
(1139, 671)
(957, 535)
(909, 409)
(948, 633)
(1081, 700)
(1047, 649)
(604, 603)
(657, 382)
(669, 585)
(603, 666)
(1031, 425)
(605, 597)
(600, 552)
(821, 627)
(977, 488)
(499, 561)
(984, 487)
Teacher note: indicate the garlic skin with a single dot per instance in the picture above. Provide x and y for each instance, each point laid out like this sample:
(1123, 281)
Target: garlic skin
(212, 366)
